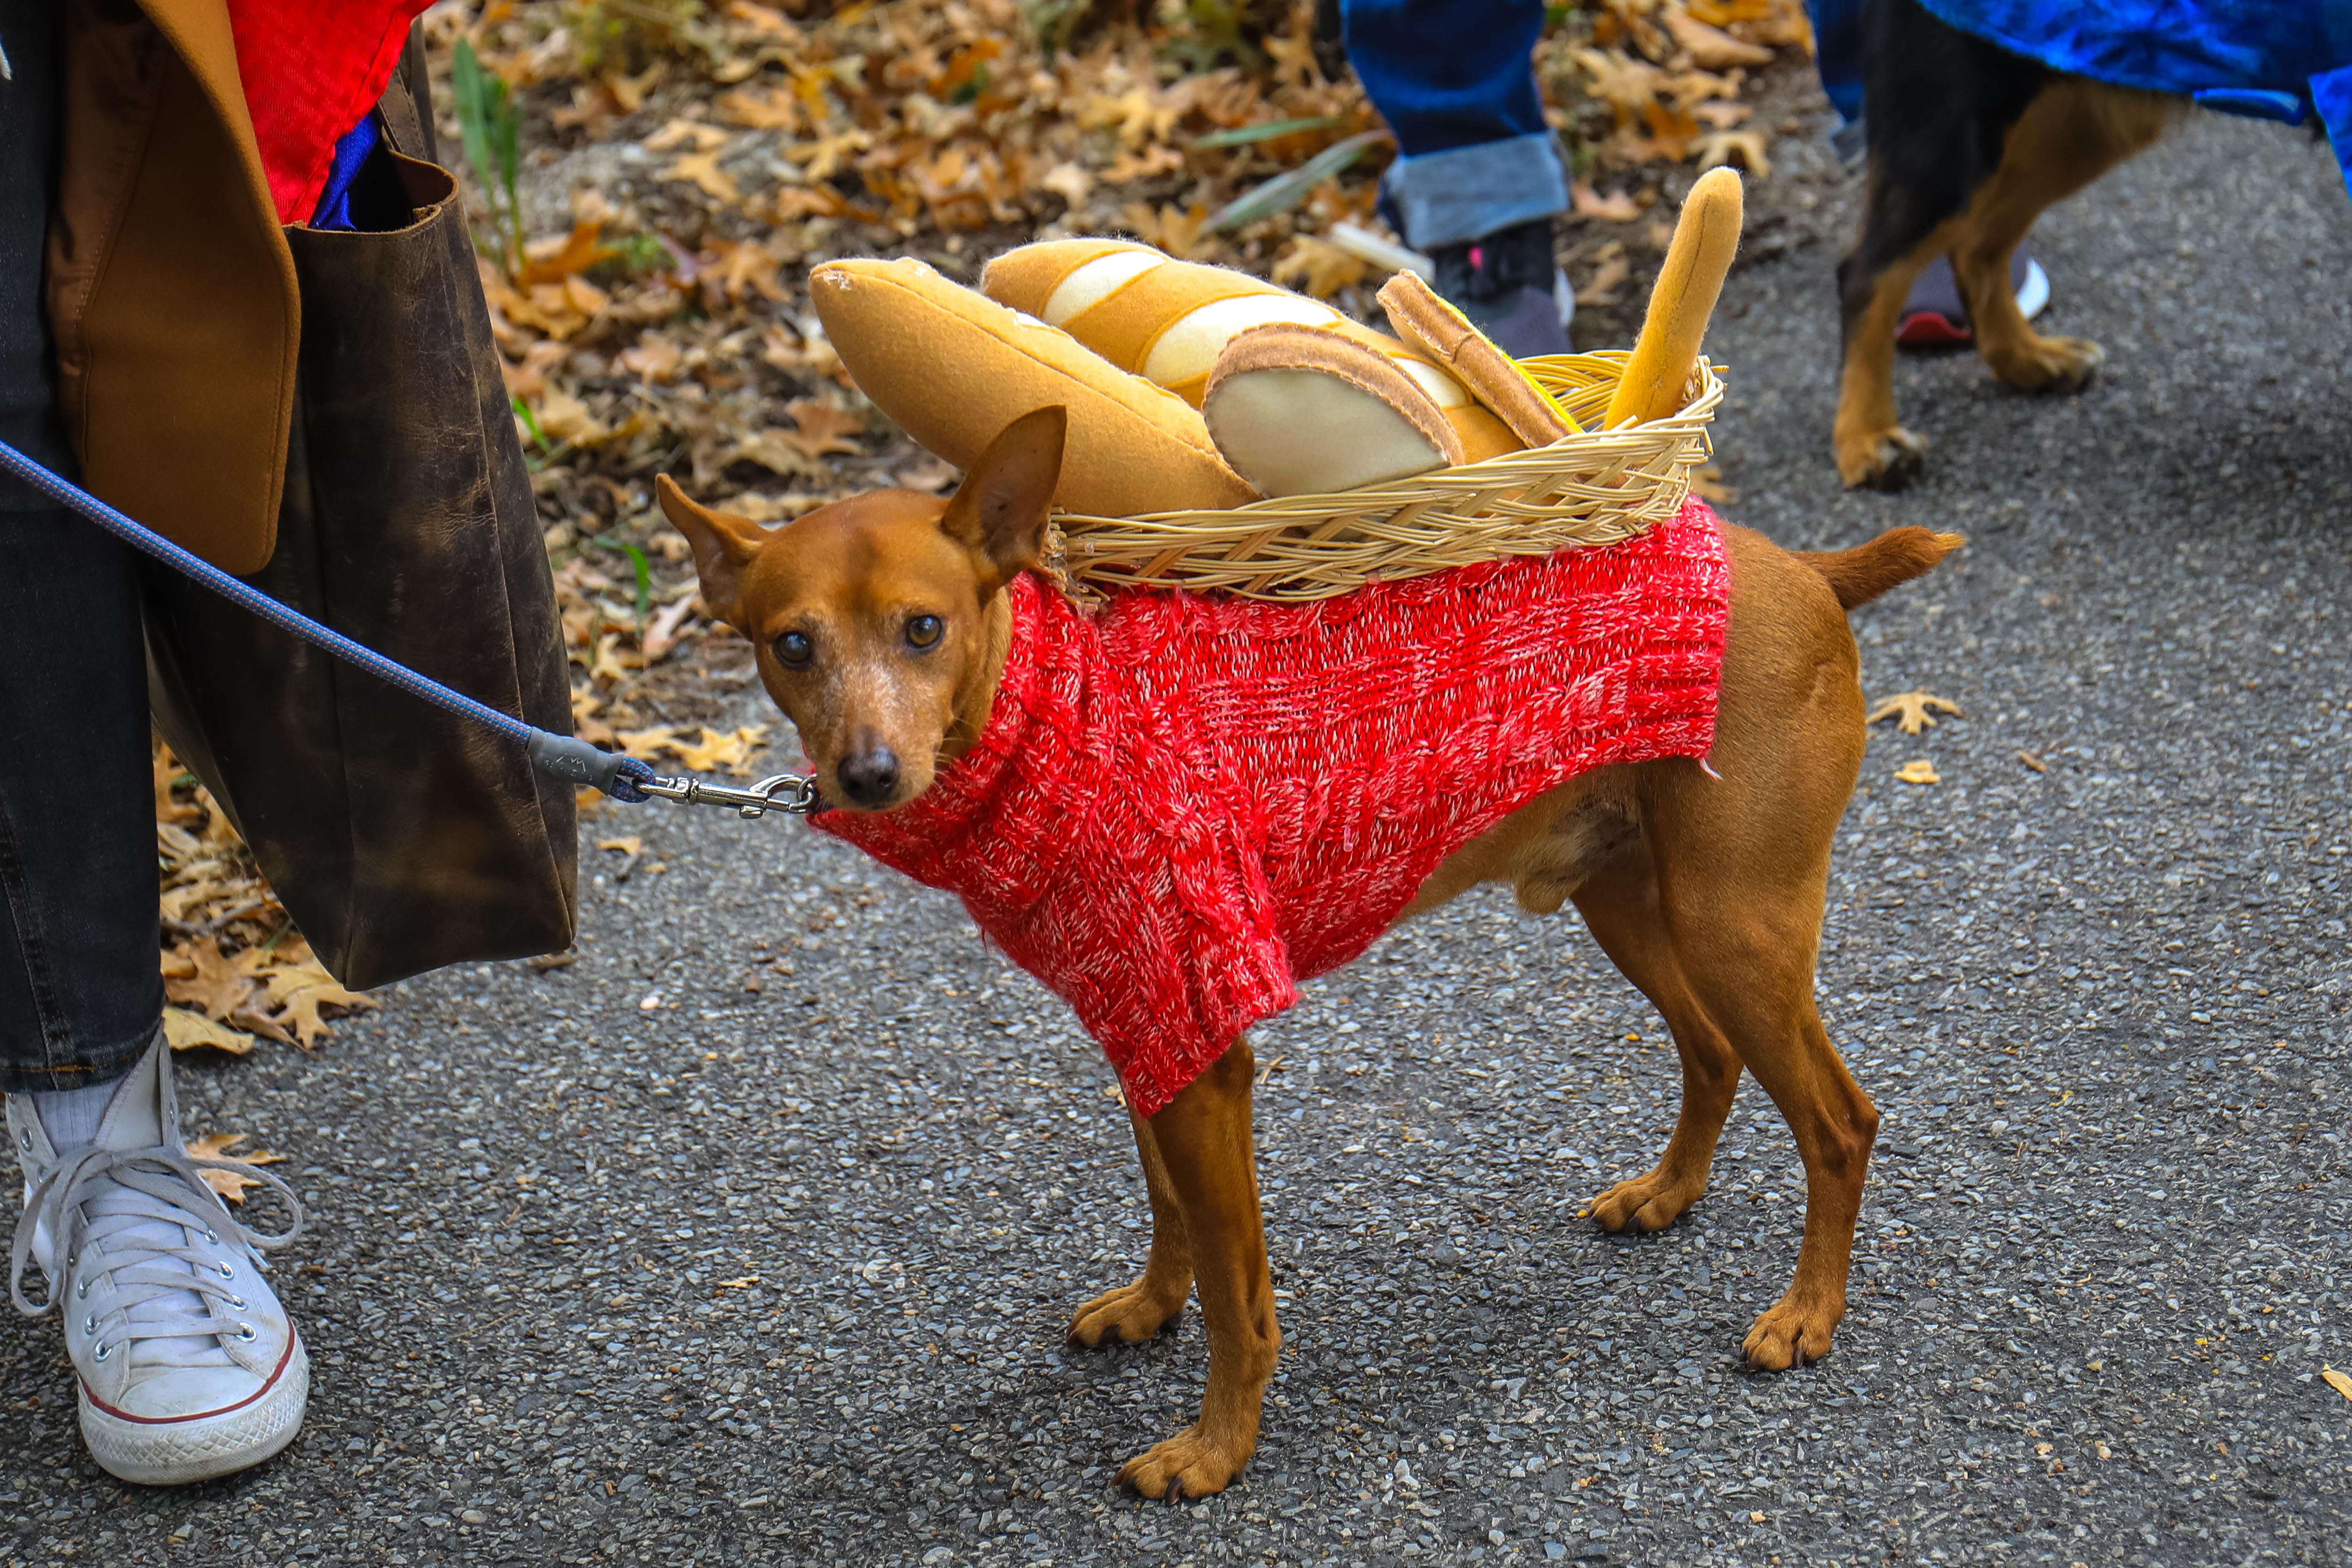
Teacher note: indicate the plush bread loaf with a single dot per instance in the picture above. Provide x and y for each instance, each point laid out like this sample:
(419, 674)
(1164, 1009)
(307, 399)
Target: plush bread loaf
(1167, 321)
(1707, 236)
(1423, 318)
(1300, 410)
(953, 369)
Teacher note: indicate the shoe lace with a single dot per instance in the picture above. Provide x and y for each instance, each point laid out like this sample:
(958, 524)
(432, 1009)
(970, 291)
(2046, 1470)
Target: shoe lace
(146, 1186)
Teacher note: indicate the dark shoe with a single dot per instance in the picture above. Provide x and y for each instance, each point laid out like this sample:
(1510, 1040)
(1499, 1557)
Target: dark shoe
(1934, 315)
(1510, 288)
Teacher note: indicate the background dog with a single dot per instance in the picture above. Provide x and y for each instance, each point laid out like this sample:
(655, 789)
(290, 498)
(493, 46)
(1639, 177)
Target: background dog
(881, 628)
(1968, 143)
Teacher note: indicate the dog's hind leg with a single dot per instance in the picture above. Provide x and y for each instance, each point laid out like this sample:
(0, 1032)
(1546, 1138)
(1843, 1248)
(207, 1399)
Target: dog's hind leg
(1210, 1164)
(1136, 1313)
(1619, 906)
(2070, 135)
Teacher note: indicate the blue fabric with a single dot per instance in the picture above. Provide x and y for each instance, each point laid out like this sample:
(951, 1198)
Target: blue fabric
(1837, 51)
(334, 211)
(1455, 80)
(2239, 56)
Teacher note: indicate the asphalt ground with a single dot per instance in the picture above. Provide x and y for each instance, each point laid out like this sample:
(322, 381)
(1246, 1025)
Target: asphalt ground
(633, 1262)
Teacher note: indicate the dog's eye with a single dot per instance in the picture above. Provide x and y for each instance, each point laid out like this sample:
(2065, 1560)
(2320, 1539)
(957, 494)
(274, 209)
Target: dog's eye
(922, 631)
(795, 648)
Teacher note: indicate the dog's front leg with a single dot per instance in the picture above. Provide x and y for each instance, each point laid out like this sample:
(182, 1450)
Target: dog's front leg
(1136, 1313)
(1211, 1163)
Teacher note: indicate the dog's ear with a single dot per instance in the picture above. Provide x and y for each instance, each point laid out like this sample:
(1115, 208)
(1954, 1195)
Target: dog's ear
(999, 512)
(723, 547)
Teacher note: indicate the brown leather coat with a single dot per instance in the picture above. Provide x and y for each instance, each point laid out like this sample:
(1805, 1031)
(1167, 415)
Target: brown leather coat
(171, 289)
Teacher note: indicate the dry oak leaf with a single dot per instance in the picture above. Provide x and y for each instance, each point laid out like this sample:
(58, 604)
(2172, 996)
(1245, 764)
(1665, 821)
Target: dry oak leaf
(2338, 1381)
(186, 1031)
(1911, 710)
(1601, 289)
(677, 133)
(715, 748)
(212, 984)
(1919, 770)
(168, 772)
(701, 170)
(821, 428)
(228, 1183)
(1711, 46)
(1319, 267)
(759, 109)
(298, 990)
(1617, 206)
(1747, 146)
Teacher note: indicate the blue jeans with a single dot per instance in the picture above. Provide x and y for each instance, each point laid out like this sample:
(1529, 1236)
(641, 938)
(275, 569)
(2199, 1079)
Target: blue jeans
(1455, 81)
(80, 991)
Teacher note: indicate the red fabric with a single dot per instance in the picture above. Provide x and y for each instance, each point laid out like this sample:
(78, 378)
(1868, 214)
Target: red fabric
(310, 68)
(1181, 807)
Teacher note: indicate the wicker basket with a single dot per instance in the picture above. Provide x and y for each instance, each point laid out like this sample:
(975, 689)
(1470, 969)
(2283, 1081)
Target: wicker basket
(1596, 488)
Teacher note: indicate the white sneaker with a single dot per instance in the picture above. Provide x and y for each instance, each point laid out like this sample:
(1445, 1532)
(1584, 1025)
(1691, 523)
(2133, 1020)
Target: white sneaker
(189, 1366)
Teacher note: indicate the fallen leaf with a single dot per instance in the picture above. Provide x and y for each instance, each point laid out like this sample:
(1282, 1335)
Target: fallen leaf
(1747, 146)
(1601, 289)
(749, 1279)
(299, 1011)
(759, 109)
(169, 773)
(1707, 484)
(678, 132)
(2030, 761)
(2337, 1380)
(1918, 772)
(632, 845)
(1710, 47)
(214, 983)
(186, 1031)
(1910, 711)
(547, 961)
(701, 170)
(1617, 206)
(229, 1184)
(1319, 267)
(821, 428)
(730, 749)
(664, 632)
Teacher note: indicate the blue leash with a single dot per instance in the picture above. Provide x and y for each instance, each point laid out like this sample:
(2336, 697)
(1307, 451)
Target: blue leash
(564, 757)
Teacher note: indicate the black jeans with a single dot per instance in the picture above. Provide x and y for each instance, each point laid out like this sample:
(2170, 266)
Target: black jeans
(80, 991)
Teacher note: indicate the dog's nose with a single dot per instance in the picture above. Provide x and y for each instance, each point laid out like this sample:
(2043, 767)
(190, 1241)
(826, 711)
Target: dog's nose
(870, 777)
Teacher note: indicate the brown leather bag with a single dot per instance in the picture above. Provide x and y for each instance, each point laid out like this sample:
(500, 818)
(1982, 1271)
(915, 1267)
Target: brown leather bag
(400, 837)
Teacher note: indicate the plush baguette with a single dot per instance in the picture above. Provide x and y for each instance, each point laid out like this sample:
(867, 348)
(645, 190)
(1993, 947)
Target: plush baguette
(1306, 411)
(1426, 322)
(1167, 321)
(1705, 237)
(954, 369)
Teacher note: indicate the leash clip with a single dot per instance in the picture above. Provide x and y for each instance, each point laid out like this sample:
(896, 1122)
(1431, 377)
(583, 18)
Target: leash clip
(795, 795)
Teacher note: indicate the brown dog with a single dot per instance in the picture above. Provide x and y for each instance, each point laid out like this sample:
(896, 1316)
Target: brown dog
(882, 629)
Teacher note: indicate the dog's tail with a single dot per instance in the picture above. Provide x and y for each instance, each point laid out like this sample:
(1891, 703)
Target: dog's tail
(1859, 575)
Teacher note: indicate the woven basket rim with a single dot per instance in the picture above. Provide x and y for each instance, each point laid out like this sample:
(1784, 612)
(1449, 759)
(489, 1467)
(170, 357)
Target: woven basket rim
(1570, 454)
(1595, 488)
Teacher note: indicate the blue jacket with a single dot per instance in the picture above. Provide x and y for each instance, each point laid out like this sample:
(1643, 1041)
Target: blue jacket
(2277, 59)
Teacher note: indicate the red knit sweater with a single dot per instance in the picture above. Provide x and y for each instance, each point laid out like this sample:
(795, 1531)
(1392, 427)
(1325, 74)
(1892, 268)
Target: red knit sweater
(1182, 805)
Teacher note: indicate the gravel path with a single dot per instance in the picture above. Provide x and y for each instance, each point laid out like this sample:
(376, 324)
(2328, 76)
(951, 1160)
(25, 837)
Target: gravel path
(750, 1236)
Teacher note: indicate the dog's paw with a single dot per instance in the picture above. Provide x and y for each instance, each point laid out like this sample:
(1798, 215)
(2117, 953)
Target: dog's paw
(1792, 1332)
(1127, 1315)
(1881, 459)
(1651, 1202)
(1186, 1466)
(2057, 366)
